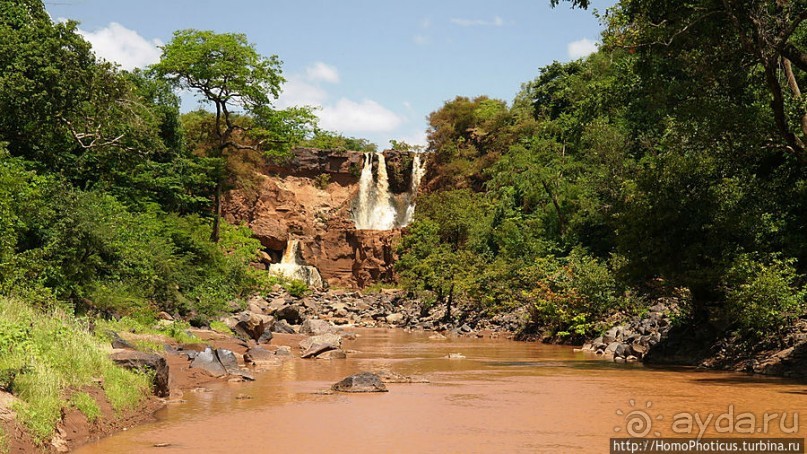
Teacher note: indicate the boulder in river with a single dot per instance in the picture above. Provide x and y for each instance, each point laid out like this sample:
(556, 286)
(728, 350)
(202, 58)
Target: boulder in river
(333, 354)
(316, 327)
(317, 349)
(209, 361)
(330, 339)
(364, 382)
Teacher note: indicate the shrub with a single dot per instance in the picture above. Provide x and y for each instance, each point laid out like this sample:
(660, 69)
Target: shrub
(322, 181)
(763, 293)
(296, 288)
(574, 295)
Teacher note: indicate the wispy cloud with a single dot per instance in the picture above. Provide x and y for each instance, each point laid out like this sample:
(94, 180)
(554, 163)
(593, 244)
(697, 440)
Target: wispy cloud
(116, 43)
(320, 71)
(358, 117)
(462, 22)
(581, 48)
(344, 115)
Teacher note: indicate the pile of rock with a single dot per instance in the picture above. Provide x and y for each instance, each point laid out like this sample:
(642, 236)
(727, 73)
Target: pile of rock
(632, 341)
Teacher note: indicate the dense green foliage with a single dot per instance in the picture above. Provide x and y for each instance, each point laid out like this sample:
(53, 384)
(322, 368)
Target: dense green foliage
(672, 158)
(105, 196)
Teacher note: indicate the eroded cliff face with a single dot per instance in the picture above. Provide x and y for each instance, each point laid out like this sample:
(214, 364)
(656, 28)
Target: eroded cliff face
(311, 198)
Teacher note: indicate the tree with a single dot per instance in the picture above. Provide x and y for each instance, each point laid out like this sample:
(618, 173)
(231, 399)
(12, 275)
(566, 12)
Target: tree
(228, 72)
(61, 108)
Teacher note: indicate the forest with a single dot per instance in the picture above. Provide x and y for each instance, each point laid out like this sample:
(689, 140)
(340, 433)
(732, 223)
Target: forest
(671, 162)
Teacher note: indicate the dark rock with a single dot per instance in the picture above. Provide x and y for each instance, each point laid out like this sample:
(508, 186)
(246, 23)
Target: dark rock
(364, 382)
(266, 337)
(282, 327)
(154, 363)
(251, 329)
(283, 350)
(209, 361)
(119, 342)
(228, 360)
(258, 354)
(291, 314)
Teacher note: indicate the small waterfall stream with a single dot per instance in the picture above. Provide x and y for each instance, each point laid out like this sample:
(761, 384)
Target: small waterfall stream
(291, 266)
(418, 170)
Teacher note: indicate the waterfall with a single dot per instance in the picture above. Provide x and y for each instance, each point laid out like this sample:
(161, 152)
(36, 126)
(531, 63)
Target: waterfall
(291, 266)
(291, 252)
(418, 170)
(373, 209)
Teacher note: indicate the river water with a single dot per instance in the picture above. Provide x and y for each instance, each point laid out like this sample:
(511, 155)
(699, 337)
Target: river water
(504, 396)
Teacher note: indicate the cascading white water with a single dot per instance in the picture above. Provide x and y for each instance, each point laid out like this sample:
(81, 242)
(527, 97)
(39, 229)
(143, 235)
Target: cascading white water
(374, 209)
(292, 267)
(290, 254)
(418, 170)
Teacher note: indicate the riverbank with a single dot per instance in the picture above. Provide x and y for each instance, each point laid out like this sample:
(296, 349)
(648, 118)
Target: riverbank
(269, 330)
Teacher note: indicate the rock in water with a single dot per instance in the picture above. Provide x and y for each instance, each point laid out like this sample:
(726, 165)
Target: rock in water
(333, 354)
(316, 327)
(364, 382)
(316, 349)
(146, 361)
(208, 361)
(332, 340)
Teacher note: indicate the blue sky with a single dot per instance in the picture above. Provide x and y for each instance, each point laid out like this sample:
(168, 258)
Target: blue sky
(376, 68)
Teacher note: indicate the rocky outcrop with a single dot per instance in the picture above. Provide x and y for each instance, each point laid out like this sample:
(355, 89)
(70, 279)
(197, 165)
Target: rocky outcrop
(309, 198)
(155, 364)
(364, 382)
(632, 341)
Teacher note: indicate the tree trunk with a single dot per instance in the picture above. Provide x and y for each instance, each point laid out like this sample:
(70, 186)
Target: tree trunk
(214, 234)
(561, 217)
(794, 87)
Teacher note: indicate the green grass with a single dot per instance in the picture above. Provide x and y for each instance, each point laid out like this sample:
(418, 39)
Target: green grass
(176, 330)
(43, 355)
(220, 327)
(86, 404)
(4, 443)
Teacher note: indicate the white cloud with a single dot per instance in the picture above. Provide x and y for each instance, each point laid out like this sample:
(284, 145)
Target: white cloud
(416, 138)
(118, 44)
(321, 72)
(581, 48)
(358, 117)
(495, 22)
(299, 92)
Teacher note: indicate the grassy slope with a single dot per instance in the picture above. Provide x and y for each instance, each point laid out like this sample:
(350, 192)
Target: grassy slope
(45, 357)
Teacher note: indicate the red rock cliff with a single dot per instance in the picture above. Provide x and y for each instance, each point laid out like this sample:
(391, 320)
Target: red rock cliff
(309, 197)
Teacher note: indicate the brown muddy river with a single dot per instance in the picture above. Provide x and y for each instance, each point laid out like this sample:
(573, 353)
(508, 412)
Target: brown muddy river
(504, 396)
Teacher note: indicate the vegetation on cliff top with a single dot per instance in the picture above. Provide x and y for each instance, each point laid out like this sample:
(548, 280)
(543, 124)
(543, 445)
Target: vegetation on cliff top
(669, 162)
